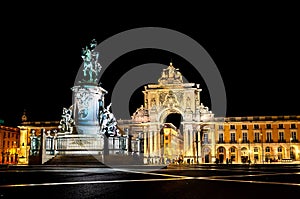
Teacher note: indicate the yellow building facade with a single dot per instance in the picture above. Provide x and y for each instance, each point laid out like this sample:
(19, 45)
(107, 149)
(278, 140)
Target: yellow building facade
(34, 148)
(9, 144)
(260, 139)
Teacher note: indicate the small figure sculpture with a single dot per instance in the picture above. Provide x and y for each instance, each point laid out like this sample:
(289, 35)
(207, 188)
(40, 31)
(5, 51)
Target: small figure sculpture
(67, 122)
(107, 121)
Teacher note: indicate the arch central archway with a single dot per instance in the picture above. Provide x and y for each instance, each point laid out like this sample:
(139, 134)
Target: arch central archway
(175, 119)
(166, 113)
(171, 139)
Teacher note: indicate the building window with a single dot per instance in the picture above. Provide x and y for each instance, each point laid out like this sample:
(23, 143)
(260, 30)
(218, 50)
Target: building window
(245, 137)
(279, 149)
(166, 138)
(8, 144)
(8, 134)
(244, 127)
(3, 144)
(221, 137)
(205, 137)
(232, 137)
(293, 126)
(281, 136)
(256, 126)
(255, 149)
(221, 127)
(293, 136)
(280, 126)
(232, 149)
(269, 137)
(221, 150)
(4, 135)
(269, 126)
(268, 149)
(256, 137)
(232, 127)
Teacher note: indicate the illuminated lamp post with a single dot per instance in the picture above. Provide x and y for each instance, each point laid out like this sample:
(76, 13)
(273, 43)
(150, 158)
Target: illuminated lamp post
(290, 147)
(249, 152)
(197, 140)
(262, 148)
(197, 155)
(239, 158)
(14, 152)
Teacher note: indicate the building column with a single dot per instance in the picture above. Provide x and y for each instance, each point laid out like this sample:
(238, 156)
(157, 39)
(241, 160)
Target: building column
(199, 144)
(146, 147)
(155, 150)
(151, 144)
(227, 153)
(185, 140)
(189, 142)
(24, 149)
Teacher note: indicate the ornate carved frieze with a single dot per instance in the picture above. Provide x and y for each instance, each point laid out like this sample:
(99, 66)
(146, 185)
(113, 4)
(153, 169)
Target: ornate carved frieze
(171, 100)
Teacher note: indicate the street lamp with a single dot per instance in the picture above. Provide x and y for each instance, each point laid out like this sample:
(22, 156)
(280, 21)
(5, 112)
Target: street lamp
(197, 161)
(249, 151)
(262, 147)
(239, 158)
(291, 147)
(14, 151)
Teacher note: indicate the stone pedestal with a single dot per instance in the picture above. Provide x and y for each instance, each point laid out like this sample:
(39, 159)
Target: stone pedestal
(86, 107)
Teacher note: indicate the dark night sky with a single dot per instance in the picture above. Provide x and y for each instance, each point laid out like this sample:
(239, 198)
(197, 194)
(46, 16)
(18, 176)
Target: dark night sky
(256, 56)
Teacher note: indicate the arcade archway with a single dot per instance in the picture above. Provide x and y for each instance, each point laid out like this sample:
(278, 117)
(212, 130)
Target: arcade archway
(221, 154)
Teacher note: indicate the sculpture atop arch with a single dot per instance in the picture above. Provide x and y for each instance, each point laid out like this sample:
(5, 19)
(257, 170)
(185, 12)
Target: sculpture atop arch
(170, 75)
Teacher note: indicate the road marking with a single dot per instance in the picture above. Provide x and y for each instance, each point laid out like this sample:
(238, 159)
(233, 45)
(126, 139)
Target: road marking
(251, 181)
(255, 175)
(151, 173)
(87, 182)
(169, 178)
(147, 180)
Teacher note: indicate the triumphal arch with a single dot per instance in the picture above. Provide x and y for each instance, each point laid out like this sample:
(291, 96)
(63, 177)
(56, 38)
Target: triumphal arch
(193, 141)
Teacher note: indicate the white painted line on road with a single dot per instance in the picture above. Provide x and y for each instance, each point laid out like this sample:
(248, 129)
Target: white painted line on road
(148, 180)
(88, 182)
(150, 173)
(250, 181)
(254, 175)
(83, 170)
(169, 178)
